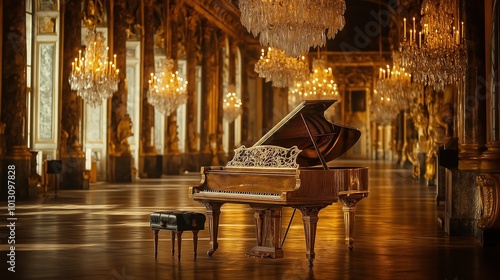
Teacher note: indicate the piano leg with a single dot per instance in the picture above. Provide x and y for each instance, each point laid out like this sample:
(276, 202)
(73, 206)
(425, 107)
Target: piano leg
(213, 214)
(268, 232)
(349, 202)
(310, 219)
(259, 217)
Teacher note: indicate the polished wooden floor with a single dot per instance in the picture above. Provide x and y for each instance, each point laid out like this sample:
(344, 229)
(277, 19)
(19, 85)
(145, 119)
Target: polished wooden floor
(103, 233)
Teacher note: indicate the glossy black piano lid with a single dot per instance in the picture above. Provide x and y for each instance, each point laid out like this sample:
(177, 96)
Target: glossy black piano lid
(332, 140)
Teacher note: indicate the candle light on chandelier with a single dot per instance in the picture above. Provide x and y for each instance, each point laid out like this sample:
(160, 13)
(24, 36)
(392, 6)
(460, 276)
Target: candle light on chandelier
(231, 105)
(294, 25)
(281, 70)
(319, 85)
(94, 76)
(168, 90)
(439, 57)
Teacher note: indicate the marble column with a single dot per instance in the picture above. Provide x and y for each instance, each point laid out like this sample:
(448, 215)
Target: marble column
(489, 178)
(462, 200)
(174, 28)
(245, 95)
(120, 157)
(217, 97)
(209, 85)
(147, 149)
(191, 162)
(232, 82)
(472, 92)
(15, 162)
(71, 153)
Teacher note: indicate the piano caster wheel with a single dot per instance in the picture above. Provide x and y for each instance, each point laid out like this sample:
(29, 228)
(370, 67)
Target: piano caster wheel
(351, 247)
(210, 252)
(310, 264)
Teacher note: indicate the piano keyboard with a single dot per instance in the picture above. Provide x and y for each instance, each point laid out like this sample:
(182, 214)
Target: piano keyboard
(225, 194)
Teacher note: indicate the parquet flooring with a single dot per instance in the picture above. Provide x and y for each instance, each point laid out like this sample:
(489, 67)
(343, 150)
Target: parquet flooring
(103, 233)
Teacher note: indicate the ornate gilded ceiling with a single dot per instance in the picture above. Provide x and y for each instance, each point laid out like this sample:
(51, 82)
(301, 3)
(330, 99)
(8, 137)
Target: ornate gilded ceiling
(371, 25)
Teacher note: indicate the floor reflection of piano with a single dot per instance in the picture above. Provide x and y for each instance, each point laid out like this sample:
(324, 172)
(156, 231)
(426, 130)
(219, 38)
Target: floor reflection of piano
(287, 167)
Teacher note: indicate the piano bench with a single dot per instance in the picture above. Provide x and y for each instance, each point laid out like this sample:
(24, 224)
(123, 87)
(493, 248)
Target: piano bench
(177, 222)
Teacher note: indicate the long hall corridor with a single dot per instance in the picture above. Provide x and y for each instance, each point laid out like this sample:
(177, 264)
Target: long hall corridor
(104, 233)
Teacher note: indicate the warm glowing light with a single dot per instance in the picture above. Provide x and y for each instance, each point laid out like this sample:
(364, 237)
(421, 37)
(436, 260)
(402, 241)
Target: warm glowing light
(439, 56)
(167, 91)
(281, 70)
(94, 76)
(231, 105)
(293, 25)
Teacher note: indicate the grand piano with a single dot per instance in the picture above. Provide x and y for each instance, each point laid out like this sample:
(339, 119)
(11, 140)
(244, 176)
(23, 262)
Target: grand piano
(287, 167)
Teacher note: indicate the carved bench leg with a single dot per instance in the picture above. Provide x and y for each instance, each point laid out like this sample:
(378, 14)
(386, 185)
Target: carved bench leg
(155, 238)
(172, 238)
(195, 242)
(179, 243)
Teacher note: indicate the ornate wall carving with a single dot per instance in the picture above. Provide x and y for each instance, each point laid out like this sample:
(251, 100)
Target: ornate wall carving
(119, 99)
(46, 106)
(489, 187)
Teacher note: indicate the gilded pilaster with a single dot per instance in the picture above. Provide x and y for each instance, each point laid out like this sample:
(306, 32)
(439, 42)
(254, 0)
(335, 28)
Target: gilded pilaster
(232, 83)
(209, 86)
(174, 32)
(462, 211)
(175, 49)
(121, 123)
(490, 159)
(147, 150)
(217, 112)
(489, 179)
(70, 146)
(192, 53)
(472, 92)
(245, 95)
(13, 102)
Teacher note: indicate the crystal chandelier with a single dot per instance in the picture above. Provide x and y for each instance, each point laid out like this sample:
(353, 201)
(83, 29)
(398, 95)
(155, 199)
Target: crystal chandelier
(383, 108)
(397, 84)
(294, 25)
(231, 105)
(395, 91)
(94, 76)
(436, 55)
(281, 70)
(167, 91)
(320, 85)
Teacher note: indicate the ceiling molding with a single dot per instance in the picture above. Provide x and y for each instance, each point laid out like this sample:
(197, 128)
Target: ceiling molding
(225, 15)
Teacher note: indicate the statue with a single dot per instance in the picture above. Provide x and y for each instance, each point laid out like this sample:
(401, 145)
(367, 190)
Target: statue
(64, 142)
(193, 135)
(123, 132)
(93, 14)
(173, 139)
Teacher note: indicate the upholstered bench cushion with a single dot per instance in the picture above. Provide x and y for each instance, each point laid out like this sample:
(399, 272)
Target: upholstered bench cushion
(177, 220)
